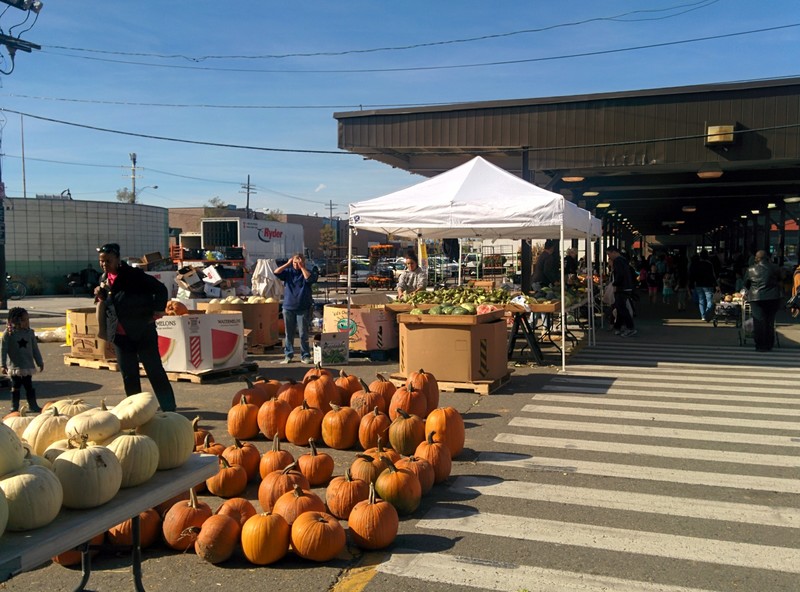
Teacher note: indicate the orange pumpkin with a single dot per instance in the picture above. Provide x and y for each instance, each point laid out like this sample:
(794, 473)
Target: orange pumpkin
(293, 503)
(406, 432)
(373, 523)
(320, 391)
(268, 386)
(175, 308)
(411, 400)
(316, 466)
(292, 393)
(245, 455)
(317, 370)
(425, 382)
(366, 468)
(350, 383)
(217, 538)
(345, 492)
(272, 417)
(365, 400)
(438, 454)
(317, 536)
(238, 508)
(304, 422)
(230, 480)
(421, 468)
(373, 426)
(448, 425)
(400, 487)
(277, 483)
(251, 394)
(340, 427)
(265, 538)
(383, 387)
(121, 535)
(200, 433)
(183, 522)
(243, 420)
(275, 459)
(75, 556)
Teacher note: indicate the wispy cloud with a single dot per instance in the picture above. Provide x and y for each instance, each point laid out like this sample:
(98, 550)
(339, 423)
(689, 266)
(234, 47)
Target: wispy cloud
(320, 187)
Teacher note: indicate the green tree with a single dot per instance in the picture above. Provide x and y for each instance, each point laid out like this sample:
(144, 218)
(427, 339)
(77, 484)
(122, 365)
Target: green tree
(274, 215)
(125, 195)
(327, 239)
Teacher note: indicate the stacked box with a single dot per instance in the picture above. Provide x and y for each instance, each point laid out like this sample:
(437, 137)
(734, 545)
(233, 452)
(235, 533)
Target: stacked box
(370, 327)
(330, 348)
(261, 319)
(199, 342)
(83, 328)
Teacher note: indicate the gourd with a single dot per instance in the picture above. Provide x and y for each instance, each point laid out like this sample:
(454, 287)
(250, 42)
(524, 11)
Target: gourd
(45, 429)
(265, 538)
(293, 503)
(272, 417)
(69, 407)
(12, 452)
(438, 454)
(230, 480)
(319, 392)
(406, 432)
(292, 393)
(33, 495)
(121, 535)
(175, 308)
(251, 394)
(411, 400)
(304, 422)
(277, 483)
(136, 410)
(217, 538)
(275, 459)
(421, 468)
(365, 400)
(89, 475)
(97, 424)
(317, 536)
(18, 423)
(373, 425)
(138, 456)
(243, 420)
(174, 437)
(344, 493)
(182, 522)
(350, 383)
(373, 523)
(448, 426)
(400, 487)
(340, 427)
(316, 466)
(383, 387)
(425, 382)
(238, 508)
(244, 455)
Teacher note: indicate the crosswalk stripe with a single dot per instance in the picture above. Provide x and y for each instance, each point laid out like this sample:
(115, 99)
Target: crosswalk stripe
(678, 360)
(589, 390)
(622, 540)
(787, 424)
(653, 432)
(628, 501)
(702, 454)
(623, 401)
(644, 473)
(696, 373)
(457, 570)
(685, 384)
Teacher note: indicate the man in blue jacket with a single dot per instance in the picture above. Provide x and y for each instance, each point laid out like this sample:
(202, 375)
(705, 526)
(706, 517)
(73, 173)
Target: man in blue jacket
(297, 305)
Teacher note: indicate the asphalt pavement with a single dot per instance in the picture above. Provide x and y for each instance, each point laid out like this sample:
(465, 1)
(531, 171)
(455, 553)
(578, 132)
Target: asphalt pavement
(665, 461)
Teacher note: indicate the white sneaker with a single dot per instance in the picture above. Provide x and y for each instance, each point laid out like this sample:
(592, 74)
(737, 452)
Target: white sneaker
(306, 360)
(617, 331)
(286, 360)
(628, 333)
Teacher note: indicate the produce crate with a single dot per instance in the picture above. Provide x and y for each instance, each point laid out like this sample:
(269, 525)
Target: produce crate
(427, 319)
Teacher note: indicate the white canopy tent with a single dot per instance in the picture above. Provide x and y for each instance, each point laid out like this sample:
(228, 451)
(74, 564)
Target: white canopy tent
(479, 200)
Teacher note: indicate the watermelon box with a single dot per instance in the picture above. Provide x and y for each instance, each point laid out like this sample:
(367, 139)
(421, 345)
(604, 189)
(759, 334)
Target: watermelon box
(370, 327)
(200, 342)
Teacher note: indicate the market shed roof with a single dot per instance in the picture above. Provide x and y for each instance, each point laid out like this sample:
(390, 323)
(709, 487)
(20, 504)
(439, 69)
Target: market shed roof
(639, 151)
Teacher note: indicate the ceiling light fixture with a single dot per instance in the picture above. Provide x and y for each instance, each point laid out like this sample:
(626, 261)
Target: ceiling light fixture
(689, 209)
(755, 212)
(743, 216)
(793, 199)
(771, 206)
(591, 193)
(603, 205)
(572, 179)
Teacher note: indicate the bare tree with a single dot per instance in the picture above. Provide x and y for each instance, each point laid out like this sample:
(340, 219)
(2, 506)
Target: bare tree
(125, 195)
(217, 202)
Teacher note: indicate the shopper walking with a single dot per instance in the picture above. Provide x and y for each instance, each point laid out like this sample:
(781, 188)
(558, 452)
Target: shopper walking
(703, 282)
(764, 295)
(622, 280)
(20, 356)
(298, 304)
(130, 301)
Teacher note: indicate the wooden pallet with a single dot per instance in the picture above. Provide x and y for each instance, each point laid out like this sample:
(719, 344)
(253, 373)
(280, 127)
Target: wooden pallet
(197, 378)
(260, 349)
(479, 387)
(91, 363)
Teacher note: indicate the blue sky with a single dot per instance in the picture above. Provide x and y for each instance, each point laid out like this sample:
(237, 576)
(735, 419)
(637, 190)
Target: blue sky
(87, 73)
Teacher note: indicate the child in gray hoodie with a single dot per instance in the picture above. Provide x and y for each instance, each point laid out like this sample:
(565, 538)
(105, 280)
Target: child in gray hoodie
(20, 355)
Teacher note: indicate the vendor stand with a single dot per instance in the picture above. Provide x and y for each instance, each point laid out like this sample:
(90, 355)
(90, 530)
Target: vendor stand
(480, 200)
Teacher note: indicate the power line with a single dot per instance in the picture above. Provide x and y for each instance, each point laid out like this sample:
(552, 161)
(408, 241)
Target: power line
(616, 18)
(447, 67)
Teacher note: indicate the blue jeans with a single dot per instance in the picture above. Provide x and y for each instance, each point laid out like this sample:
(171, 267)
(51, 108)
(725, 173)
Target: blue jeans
(294, 320)
(705, 301)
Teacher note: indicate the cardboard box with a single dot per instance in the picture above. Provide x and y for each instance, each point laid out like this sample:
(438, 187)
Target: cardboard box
(188, 279)
(456, 353)
(198, 342)
(369, 298)
(83, 329)
(168, 279)
(370, 327)
(152, 257)
(212, 291)
(212, 275)
(260, 319)
(331, 348)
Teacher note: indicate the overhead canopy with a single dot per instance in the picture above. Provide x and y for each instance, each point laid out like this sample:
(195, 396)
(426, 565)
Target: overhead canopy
(474, 200)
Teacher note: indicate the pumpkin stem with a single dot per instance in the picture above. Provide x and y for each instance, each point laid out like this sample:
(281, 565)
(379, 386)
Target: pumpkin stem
(364, 385)
(297, 490)
(289, 468)
(207, 441)
(192, 498)
(305, 403)
(237, 443)
(225, 464)
(347, 476)
(371, 498)
(248, 381)
(430, 437)
(342, 374)
(376, 412)
(276, 443)
(84, 441)
(335, 407)
(195, 423)
(402, 413)
(389, 464)
(243, 401)
(313, 446)
(380, 377)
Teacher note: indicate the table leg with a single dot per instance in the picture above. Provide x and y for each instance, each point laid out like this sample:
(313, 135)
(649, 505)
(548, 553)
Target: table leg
(136, 554)
(86, 566)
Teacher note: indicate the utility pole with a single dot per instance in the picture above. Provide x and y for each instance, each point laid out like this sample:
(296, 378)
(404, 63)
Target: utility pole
(22, 132)
(3, 301)
(133, 177)
(248, 189)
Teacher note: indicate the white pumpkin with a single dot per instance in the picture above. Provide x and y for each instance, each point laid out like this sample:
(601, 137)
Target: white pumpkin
(71, 407)
(35, 459)
(12, 452)
(97, 424)
(56, 448)
(138, 455)
(3, 512)
(45, 429)
(34, 495)
(136, 410)
(18, 423)
(90, 476)
(174, 436)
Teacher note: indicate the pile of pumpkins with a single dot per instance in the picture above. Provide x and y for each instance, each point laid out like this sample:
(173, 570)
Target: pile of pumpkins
(407, 444)
(78, 456)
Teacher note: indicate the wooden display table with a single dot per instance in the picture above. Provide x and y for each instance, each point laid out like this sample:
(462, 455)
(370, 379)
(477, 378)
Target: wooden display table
(23, 551)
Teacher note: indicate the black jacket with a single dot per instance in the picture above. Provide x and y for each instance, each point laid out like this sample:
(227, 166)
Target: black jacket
(701, 274)
(133, 300)
(621, 276)
(546, 271)
(763, 281)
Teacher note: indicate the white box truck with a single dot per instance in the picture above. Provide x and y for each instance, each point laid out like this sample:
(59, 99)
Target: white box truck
(261, 239)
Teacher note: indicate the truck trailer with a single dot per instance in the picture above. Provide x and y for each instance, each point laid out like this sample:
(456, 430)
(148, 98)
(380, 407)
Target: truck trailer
(261, 239)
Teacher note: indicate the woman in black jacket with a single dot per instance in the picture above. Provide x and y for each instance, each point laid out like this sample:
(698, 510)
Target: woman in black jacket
(133, 301)
(764, 295)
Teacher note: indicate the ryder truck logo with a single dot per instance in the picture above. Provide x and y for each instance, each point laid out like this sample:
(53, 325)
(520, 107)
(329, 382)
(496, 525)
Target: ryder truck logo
(267, 234)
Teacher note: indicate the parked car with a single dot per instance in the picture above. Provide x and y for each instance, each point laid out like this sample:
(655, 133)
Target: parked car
(360, 271)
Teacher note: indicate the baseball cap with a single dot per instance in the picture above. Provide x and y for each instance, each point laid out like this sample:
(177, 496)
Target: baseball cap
(109, 248)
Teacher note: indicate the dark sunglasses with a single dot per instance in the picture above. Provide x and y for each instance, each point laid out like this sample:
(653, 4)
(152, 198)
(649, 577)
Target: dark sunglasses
(109, 248)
